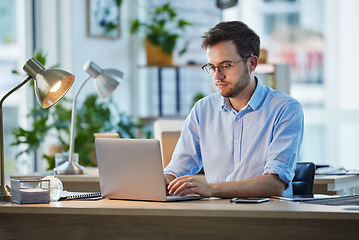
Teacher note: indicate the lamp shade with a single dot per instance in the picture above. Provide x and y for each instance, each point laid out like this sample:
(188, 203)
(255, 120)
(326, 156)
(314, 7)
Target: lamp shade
(106, 80)
(50, 84)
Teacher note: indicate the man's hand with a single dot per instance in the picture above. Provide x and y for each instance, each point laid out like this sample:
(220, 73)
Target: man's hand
(188, 184)
(168, 178)
(262, 186)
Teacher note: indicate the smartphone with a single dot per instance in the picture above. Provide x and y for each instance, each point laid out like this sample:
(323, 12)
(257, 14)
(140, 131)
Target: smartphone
(249, 200)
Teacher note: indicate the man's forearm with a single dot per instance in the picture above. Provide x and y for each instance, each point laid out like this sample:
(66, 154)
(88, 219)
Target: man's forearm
(263, 186)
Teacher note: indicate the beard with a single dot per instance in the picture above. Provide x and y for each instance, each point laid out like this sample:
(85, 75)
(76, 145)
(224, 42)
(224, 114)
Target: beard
(241, 84)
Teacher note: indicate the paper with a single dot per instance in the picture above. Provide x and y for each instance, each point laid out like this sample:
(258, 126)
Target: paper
(66, 195)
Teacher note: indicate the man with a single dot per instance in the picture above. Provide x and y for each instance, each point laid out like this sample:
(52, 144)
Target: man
(247, 136)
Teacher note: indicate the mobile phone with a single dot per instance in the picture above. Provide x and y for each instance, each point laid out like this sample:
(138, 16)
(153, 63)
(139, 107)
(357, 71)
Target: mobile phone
(249, 200)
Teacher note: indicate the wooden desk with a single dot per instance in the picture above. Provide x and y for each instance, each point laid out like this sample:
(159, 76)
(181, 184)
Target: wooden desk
(330, 184)
(204, 219)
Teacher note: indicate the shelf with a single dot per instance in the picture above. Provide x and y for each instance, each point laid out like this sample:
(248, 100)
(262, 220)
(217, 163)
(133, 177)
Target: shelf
(171, 66)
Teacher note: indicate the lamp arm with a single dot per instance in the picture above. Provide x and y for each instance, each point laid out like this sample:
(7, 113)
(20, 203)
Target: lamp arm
(73, 123)
(2, 128)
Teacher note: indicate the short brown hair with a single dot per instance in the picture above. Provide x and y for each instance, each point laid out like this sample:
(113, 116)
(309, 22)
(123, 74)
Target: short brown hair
(244, 38)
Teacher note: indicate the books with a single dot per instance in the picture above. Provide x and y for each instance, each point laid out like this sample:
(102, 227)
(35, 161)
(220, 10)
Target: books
(66, 195)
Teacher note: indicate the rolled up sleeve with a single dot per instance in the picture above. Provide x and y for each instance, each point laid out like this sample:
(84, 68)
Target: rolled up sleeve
(284, 149)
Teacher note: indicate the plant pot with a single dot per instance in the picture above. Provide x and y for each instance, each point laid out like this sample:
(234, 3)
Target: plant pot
(263, 55)
(52, 149)
(156, 56)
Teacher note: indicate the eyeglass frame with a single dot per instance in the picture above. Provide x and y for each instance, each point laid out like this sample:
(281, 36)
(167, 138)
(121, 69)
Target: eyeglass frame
(226, 66)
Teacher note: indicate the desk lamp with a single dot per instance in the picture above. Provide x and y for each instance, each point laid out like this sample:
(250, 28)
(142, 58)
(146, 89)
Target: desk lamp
(50, 86)
(106, 80)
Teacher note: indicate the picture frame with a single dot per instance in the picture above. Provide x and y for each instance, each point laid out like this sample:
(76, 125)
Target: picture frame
(103, 18)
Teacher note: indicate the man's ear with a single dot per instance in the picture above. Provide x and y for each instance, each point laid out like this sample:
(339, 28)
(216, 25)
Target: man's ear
(253, 62)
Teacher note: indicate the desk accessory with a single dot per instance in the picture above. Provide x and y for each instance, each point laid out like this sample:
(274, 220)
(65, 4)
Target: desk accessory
(249, 200)
(334, 200)
(56, 187)
(106, 80)
(30, 190)
(332, 170)
(50, 86)
(80, 195)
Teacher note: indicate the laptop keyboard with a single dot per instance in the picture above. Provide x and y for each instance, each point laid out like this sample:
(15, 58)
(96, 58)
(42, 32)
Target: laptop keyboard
(336, 201)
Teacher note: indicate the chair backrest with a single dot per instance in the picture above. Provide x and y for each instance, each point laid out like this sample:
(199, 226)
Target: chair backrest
(169, 142)
(304, 178)
(168, 132)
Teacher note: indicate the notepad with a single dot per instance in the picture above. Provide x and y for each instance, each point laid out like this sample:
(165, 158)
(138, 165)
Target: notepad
(66, 195)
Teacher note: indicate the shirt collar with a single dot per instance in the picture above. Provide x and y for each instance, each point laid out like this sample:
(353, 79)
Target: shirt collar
(225, 106)
(258, 95)
(255, 101)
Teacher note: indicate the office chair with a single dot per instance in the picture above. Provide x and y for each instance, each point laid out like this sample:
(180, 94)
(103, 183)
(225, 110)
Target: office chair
(304, 179)
(168, 132)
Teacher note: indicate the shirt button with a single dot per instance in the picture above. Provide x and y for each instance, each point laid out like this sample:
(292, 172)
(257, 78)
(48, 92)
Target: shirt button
(237, 141)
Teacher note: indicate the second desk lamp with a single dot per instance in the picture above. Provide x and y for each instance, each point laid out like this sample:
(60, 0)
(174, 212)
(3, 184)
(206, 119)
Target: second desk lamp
(106, 80)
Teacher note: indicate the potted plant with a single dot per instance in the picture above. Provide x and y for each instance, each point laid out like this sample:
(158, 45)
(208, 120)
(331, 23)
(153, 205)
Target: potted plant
(162, 32)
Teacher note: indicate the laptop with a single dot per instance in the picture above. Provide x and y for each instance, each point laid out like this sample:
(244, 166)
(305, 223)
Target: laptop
(131, 169)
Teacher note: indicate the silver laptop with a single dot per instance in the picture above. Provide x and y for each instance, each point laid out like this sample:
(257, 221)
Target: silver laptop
(132, 169)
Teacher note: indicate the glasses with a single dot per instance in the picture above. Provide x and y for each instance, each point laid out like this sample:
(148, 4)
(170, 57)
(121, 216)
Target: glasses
(224, 69)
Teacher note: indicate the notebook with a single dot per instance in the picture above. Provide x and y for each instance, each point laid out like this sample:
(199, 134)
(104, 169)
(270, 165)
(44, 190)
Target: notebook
(66, 195)
(131, 169)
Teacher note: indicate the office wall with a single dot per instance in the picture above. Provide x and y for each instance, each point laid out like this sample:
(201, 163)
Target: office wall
(62, 34)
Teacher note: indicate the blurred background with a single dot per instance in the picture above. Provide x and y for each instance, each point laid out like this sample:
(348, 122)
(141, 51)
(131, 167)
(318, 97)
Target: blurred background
(312, 47)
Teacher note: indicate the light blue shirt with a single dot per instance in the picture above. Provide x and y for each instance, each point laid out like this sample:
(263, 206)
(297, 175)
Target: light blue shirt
(262, 138)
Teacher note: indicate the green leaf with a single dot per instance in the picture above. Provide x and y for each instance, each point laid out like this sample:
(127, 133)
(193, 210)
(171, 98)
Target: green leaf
(184, 49)
(181, 23)
(55, 66)
(50, 161)
(40, 56)
(197, 97)
(169, 43)
(118, 3)
(135, 26)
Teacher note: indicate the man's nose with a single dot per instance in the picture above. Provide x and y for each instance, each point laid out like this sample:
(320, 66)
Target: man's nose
(218, 75)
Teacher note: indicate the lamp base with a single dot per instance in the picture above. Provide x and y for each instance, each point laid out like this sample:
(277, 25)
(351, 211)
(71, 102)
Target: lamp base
(5, 195)
(69, 168)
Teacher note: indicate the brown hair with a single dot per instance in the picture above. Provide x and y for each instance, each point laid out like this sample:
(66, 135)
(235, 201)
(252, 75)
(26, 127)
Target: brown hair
(244, 38)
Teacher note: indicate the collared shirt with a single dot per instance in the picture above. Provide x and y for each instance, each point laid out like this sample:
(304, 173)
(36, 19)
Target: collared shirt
(262, 138)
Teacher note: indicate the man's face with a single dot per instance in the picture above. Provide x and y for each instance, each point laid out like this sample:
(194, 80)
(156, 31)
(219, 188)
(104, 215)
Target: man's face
(233, 80)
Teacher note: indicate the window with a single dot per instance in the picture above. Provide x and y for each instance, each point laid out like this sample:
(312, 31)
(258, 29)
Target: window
(14, 110)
